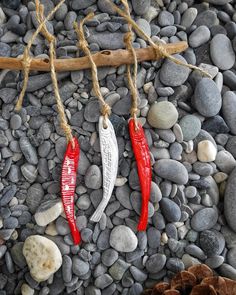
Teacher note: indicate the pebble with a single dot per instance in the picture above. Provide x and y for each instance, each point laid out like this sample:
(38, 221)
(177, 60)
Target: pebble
(29, 172)
(231, 258)
(26, 290)
(103, 281)
(199, 37)
(172, 74)
(171, 170)
(207, 18)
(207, 98)
(93, 177)
(214, 261)
(206, 151)
(109, 257)
(28, 151)
(118, 269)
(228, 108)
(5, 51)
(155, 263)
(190, 126)
(8, 94)
(229, 200)
(144, 25)
(170, 210)
(107, 40)
(221, 51)
(228, 271)
(141, 6)
(204, 219)
(48, 211)
(34, 196)
(225, 161)
(79, 267)
(212, 242)
(188, 17)
(162, 115)
(165, 18)
(122, 239)
(42, 256)
(215, 125)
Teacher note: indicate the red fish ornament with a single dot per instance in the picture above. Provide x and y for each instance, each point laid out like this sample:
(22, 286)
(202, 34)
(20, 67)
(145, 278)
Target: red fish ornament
(68, 184)
(142, 156)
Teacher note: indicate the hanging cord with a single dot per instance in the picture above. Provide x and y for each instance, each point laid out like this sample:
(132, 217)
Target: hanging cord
(132, 81)
(52, 40)
(159, 49)
(26, 61)
(83, 44)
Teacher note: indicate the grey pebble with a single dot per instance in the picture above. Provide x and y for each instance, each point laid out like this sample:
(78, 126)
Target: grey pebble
(141, 6)
(229, 200)
(109, 257)
(17, 255)
(155, 263)
(28, 151)
(170, 210)
(153, 237)
(93, 177)
(204, 219)
(79, 267)
(81, 4)
(227, 271)
(228, 108)
(34, 196)
(103, 281)
(200, 36)
(215, 261)
(8, 94)
(190, 126)
(175, 264)
(118, 269)
(165, 18)
(137, 274)
(107, 40)
(7, 194)
(29, 172)
(15, 122)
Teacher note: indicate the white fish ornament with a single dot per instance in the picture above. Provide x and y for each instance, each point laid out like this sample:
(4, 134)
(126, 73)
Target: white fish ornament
(110, 157)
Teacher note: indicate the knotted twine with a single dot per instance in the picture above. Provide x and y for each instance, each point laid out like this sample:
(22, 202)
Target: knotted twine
(159, 49)
(83, 44)
(27, 60)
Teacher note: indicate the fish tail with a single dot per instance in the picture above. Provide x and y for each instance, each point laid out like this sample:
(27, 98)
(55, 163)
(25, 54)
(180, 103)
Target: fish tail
(99, 211)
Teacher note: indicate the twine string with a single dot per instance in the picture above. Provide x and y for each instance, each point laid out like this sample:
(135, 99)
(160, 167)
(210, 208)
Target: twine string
(83, 44)
(26, 60)
(132, 81)
(52, 40)
(159, 49)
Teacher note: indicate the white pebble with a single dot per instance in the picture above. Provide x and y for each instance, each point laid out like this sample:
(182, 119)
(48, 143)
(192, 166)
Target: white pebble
(206, 151)
(26, 290)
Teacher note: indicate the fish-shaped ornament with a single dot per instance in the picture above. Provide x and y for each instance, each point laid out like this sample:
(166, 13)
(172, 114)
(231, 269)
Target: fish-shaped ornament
(110, 158)
(68, 184)
(142, 156)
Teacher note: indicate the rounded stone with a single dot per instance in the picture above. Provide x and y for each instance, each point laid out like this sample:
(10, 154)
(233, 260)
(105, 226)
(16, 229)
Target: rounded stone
(109, 257)
(221, 51)
(206, 151)
(171, 170)
(231, 145)
(141, 6)
(231, 256)
(93, 177)
(204, 219)
(162, 115)
(190, 126)
(123, 239)
(230, 200)
(29, 172)
(156, 263)
(42, 256)
(229, 110)
(225, 161)
(165, 18)
(15, 122)
(199, 37)
(207, 98)
(212, 242)
(172, 74)
(170, 210)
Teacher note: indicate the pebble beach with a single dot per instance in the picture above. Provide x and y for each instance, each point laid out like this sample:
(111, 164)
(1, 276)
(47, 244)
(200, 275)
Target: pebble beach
(190, 126)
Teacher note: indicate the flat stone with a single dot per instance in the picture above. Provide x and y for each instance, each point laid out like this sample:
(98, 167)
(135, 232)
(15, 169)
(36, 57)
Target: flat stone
(123, 239)
(103, 281)
(212, 242)
(162, 115)
(229, 108)
(221, 51)
(190, 126)
(165, 18)
(199, 37)
(170, 210)
(228, 271)
(155, 263)
(188, 17)
(144, 25)
(225, 161)
(29, 172)
(118, 269)
(93, 177)
(28, 151)
(79, 266)
(207, 98)
(17, 255)
(172, 74)
(107, 40)
(229, 200)
(216, 125)
(82, 4)
(141, 6)
(204, 219)
(48, 212)
(8, 94)
(34, 196)
(42, 256)
(207, 18)
(171, 170)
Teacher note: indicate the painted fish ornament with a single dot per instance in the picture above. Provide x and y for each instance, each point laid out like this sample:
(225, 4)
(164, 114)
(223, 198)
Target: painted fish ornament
(142, 156)
(68, 184)
(110, 157)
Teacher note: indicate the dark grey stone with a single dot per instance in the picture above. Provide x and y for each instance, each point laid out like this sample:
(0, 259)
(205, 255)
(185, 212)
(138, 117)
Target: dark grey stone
(28, 150)
(107, 40)
(229, 200)
(204, 219)
(229, 110)
(155, 263)
(170, 210)
(79, 267)
(8, 94)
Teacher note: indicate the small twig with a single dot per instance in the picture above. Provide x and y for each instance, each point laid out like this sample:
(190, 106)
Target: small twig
(113, 58)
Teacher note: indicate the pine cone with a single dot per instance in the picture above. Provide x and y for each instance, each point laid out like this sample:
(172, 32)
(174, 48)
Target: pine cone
(197, 280)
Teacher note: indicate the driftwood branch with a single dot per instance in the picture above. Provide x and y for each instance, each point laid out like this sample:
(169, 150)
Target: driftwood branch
(103, 58)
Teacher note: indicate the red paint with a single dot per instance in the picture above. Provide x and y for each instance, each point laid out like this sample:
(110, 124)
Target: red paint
(68, 184)
(142, 156)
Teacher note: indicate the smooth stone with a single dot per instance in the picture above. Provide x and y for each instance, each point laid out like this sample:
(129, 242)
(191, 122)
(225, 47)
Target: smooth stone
(204, 219)
(228, 271)
(216, 125)
(199, 37)
(28, 151)
(221, 51)
(109, 257)
(175, 264)
(29, 172)
(155, 263)
(123, 239)
(231, 145)
(207, 18)
(154, 237)
(93, 177)
(172, 74)
(137, 274)
(79, 267)
(84, 163)
(82, 4)
(136, 202)
(195, 251)
(231, 257)
(34, 196)
(17, 255)
(165, 18)
(162, 115)
(229, 110)
(42, 256)
(26, 290)
(207, 98)
(170, 210)
(107, 40)
(48, 212)
(230, 200)
(171, 170)
(188, 17)
(212, 242)
(8, 94)
(118, 269)
(215, 261)
(206, 151)
(91, 112)
(141, 7)
(103, 281)
(15, 122)
(144, 25)
(190, 126)
(225, 161)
